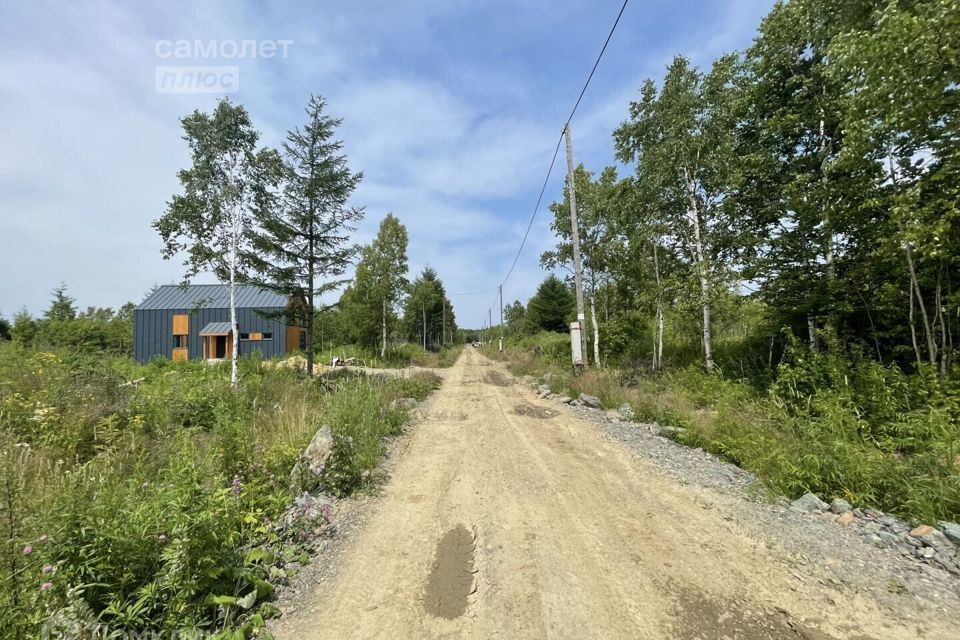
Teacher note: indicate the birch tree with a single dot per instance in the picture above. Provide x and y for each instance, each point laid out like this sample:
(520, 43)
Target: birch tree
(379, 285)
(228, 184)
(681, 137)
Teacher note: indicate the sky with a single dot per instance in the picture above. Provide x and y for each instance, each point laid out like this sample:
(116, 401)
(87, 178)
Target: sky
(451, 108)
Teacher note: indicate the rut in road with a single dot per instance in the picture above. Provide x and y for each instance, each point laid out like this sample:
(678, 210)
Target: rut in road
(502, 522)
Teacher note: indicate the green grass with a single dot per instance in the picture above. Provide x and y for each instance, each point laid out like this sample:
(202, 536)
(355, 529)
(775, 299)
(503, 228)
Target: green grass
(148, 506)
(858, 430)
(397, 356)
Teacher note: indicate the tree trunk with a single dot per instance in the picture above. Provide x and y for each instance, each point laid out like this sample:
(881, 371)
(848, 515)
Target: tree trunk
(827, 230)
(913, 330)
(235, 335)
(702, 270)
(659, 335)
(596, 332)
(383, 347)
(943, 324)
(812, 333)
(914, 283)
(927, 328)
(310, 289)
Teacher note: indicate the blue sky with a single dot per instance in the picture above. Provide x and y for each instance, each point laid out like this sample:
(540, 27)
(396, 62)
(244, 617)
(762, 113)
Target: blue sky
(451, 109)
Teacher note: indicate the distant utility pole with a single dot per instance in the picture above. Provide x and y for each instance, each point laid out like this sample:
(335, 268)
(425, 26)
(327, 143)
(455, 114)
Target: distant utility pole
(424, 327)
(575, 236)
(443, 329)
(500, 288)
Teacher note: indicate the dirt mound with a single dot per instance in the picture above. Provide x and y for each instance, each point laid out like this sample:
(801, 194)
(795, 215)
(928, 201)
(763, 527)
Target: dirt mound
(497, 378)
(451, 581)
(533, 411)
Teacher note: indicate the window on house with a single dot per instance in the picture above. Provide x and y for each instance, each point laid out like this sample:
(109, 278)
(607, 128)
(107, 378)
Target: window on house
(179, 342)
(268, 336)
(244, 336)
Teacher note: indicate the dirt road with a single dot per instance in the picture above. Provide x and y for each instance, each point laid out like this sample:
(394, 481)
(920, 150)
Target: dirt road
(509, 517)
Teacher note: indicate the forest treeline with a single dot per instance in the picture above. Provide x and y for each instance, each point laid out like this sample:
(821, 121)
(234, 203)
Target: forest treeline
(806, 187)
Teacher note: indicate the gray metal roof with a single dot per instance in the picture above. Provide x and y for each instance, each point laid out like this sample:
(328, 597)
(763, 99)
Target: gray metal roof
(212, 296)
(216, 329)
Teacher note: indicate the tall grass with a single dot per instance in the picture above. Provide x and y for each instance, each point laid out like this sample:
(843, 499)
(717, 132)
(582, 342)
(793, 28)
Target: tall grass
(148, 506)
(854, 429)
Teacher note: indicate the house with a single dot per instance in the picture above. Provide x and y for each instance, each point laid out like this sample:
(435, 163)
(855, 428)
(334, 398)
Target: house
(193, 322)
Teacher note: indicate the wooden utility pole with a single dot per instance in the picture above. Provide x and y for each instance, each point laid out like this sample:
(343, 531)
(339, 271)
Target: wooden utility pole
(500, 289)
(575, 236)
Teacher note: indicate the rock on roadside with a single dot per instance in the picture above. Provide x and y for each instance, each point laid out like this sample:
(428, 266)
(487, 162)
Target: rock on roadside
(305, 475)
(810, 502)
(591, 401)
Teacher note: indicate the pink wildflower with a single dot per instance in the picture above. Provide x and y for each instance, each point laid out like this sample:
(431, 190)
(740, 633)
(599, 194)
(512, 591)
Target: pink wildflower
(47, 568)
(27, 550)
(46, 586)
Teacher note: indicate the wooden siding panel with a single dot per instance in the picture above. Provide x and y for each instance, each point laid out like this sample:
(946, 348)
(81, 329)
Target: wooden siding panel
(181, 324)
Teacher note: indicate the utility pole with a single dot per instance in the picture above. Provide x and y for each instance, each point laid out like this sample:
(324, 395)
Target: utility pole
(500, 288)
(443, 330)
(424, 327)
(575, 236)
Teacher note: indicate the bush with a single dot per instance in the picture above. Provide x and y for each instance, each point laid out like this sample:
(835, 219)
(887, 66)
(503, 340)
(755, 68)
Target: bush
(148, 506)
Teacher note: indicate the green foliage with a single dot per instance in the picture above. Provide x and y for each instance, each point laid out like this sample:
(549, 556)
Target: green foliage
(230, 183)
(303, 243)
(428, 315)
(362, 415)
(867, 432)
(370, 303)
(146, 493)
(550, 308)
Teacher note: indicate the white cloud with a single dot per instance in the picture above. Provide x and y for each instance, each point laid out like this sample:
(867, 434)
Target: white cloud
(450, 124)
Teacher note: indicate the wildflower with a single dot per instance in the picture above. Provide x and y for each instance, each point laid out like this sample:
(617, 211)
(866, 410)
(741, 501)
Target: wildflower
(47, 568)
(27, 550)
(235, 487)
(42, 538)
(162, 537)
(327, 512)
(46, 586)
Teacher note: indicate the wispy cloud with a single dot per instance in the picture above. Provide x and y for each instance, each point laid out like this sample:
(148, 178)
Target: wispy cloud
(451, 109)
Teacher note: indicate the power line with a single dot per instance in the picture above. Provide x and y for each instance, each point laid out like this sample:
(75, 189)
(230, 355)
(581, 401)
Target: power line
(473, 293)
(553, 160)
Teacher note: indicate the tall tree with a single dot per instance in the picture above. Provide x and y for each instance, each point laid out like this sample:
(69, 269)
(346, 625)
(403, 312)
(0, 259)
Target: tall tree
(379, 284)
(550, 307)
(681, 137)
(427, 312)
(304, 241)
(513, 315)
(228, 184)
(899, 69)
